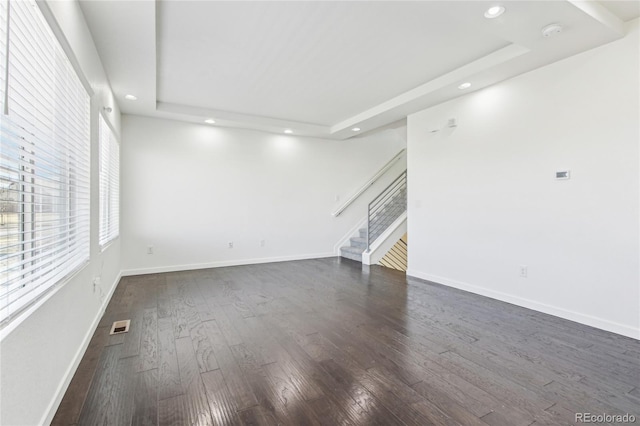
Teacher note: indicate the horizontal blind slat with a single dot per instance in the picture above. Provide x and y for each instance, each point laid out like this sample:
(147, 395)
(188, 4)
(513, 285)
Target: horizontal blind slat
(25, 274)
(44, 163)
(109, 161)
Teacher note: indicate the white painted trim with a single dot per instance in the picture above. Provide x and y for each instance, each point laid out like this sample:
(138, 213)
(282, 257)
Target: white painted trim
(13, 324)
(600, 14)
(603, 324)
(50, 412)
(66, 46)
(371, 118)
(386, 241)
(234, 119)
(238, 262)
(344, 241)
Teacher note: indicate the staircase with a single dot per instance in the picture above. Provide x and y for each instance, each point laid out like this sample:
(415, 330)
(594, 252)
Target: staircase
(357, 246)
(383, 211)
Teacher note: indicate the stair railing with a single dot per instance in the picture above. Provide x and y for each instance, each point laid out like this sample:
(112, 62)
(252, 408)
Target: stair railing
(370, 182)
(386, 208)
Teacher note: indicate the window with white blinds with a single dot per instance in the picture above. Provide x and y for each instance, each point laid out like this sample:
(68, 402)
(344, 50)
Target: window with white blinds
(44, 160)
(109, 184)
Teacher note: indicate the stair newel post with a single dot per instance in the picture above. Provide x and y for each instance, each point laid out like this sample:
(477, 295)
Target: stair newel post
(369, 226)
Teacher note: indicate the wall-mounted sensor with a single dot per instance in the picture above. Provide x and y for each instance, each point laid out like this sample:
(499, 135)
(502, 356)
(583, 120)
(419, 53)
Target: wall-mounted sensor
(563, 174)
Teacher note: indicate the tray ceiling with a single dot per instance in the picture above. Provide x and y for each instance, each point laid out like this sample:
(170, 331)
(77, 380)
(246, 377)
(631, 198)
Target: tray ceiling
(323, 68)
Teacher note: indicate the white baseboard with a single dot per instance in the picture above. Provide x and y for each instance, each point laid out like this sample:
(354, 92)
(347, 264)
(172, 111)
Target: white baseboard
(71, 370)
(220, 264)
(590, 320)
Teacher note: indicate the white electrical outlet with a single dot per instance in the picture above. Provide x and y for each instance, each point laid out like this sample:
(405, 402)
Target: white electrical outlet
(262, 243)
(149, 249)
(523, 271)
(230, 244)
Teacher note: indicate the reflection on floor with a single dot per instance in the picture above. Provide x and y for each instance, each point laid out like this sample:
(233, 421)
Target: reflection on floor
(320, 342)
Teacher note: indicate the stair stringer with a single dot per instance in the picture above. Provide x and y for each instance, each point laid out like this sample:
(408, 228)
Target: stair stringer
(385, 241)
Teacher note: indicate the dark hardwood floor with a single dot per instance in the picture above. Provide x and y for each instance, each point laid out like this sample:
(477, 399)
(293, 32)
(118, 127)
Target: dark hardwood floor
(319, 342)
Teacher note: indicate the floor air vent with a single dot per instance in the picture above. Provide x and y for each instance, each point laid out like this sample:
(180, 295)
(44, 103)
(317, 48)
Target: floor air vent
(120, 327)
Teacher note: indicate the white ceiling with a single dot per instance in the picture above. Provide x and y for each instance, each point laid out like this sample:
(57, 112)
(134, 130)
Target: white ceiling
(314, 62)
(321, 68)
(625, 10)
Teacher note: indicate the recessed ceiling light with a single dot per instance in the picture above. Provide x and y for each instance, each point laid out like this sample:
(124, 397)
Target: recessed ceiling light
(131, 97)
(210, 121)
(494, 12)
(464, 86)
(288, 131)
(355, 129)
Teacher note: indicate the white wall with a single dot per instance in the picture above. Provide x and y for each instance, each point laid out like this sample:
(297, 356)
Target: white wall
(40, 352)
(483, 198)
(190, 189)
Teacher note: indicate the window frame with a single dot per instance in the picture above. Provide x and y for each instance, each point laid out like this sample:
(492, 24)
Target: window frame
(76, 216)
(104, 126)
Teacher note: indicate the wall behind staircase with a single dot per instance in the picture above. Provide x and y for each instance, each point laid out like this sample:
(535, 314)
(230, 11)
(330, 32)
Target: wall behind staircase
(483, 198)
(188, 190)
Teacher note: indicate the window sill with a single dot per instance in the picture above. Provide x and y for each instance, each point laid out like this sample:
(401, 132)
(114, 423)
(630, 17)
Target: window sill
(14, 323)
